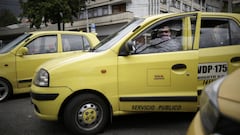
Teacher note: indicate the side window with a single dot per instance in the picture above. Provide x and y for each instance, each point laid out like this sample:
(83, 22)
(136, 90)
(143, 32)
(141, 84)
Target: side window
(161, 37)
(74, 43)
(42, 45)
(216, 33)
(86, 44)
(235, 33)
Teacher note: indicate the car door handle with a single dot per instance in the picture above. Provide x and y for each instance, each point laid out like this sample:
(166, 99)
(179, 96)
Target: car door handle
(179, 66)
(235, 59)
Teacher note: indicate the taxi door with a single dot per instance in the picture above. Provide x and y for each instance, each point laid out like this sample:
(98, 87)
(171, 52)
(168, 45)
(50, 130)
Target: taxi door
(219, 48)
(164, 81)
(40, 49)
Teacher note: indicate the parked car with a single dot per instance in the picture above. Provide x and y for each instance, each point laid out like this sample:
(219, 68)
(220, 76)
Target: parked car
(130, 71)
(219, 108)
(23, 55)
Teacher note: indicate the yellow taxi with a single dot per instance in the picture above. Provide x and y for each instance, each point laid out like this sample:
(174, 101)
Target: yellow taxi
(154, 64)
(219, 108)
(20, 58)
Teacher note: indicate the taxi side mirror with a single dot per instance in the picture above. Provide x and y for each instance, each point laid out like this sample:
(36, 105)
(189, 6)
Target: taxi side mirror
(127, 48)
(22, 51)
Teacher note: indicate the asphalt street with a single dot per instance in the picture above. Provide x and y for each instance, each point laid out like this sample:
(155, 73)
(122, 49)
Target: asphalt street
(17, 118)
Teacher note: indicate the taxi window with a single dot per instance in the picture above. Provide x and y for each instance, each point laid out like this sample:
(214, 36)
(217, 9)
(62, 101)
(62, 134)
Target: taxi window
(6, 48)
(161, 37)
(43, 45)
(216, 33)
(74, 43)
(235, 33)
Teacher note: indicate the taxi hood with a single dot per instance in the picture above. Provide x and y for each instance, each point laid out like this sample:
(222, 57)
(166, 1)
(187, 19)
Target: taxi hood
(230, 87)
(229, 96)
(59, 62)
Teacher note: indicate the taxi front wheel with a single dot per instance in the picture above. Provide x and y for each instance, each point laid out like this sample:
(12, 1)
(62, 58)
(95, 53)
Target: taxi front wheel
(5, 90)
(86, 114)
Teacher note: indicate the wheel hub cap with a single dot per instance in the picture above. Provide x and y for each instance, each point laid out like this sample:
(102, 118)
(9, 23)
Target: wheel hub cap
(88, 114)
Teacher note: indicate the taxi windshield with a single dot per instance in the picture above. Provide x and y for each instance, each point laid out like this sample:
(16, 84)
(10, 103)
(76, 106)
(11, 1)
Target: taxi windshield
(111, 40)
(14, 43)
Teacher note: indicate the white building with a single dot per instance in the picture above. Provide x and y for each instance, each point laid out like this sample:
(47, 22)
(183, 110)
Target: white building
(109, 15)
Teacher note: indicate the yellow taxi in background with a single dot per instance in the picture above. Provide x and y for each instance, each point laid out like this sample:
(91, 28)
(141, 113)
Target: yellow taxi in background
(219, 108)
(20, 58)
(136, 70)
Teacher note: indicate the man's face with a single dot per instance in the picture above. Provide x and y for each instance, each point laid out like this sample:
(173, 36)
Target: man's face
(140, 40)
(165, 33)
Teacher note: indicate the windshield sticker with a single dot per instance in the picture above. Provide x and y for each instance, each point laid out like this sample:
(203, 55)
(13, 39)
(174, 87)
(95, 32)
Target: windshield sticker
(208, 71)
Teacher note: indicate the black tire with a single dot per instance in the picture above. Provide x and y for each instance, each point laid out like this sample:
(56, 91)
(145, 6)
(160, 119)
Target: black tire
(86, 114)
(5, 90)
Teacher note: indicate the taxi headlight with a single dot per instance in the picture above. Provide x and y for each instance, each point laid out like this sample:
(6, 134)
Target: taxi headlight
(42, 78)
(209, 111)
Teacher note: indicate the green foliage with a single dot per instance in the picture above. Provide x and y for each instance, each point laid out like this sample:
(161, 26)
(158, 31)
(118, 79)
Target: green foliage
(7, 18)
(54, 11)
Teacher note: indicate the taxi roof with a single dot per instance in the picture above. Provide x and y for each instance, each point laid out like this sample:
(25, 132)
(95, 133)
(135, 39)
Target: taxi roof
(59, 32)
(153, 17)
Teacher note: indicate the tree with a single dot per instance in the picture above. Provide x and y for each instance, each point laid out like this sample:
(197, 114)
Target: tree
(53, 11)
(7, 18)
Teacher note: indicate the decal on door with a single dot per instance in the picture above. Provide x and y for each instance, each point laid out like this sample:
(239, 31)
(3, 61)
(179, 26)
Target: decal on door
(158, 77)
(209, 71)
(156, 108)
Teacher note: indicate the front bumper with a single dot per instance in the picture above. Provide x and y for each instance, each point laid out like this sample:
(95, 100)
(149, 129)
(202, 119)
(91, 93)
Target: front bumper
(196, 127)
(47, 101)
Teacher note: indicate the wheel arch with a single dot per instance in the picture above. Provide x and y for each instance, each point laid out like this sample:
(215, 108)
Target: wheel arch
(9, 84)
(5, 79)
(86, 91)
